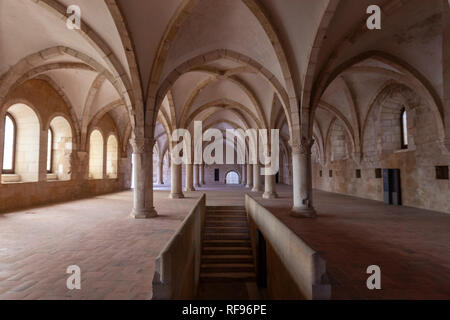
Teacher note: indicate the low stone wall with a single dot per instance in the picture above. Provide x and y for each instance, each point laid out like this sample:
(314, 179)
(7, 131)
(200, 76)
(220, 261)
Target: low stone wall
(177, 267)
(16, 196)
(305, 267)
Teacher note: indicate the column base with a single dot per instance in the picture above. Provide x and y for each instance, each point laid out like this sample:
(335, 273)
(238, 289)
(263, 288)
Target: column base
(271, 195)
(249, 186)
(144, 214)
(189, 189)
(303, 212)
(197, 186)
(256, 190)
(176, 196)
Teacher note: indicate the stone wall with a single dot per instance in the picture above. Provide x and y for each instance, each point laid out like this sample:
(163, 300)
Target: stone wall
(382, 149)
(294, 269)
(177, 267)
(223, 170)
(47, 103)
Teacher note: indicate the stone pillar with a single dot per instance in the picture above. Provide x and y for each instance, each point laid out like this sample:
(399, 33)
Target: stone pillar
(41, 174)
(301, 172)
(249, 176)
(281, 170)
(160, 172)
(256, 178)
(143, 179)
(196, 176)
(176, 183)
(269, 186)
(189, 178)
(244, 175)
(202, 174)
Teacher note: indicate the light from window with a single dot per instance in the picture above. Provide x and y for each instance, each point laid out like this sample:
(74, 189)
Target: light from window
(96, 155)
(232, 178)
(8, 149)
(111, 157)
(404, 129)
(49, 150)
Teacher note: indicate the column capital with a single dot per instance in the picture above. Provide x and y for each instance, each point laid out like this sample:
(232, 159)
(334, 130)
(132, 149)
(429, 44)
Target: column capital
(140, 145)
(303, 147)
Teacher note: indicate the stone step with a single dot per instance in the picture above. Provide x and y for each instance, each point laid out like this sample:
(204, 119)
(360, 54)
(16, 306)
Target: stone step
(226, 230)
(226, 218)
(228, 277)
(226, 267)
(227, 254)
(227, 243)
(227, 213)
(227, 236)
(227, 251)
(226, 223)
(226, 208)
(226, 259)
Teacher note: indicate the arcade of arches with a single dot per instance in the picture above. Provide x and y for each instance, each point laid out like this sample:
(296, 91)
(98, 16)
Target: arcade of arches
(90, 112)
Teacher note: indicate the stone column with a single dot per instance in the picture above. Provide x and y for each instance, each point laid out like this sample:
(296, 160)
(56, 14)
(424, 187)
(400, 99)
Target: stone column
(249, 176)
(202, 174)
(196, 176)
(143, 179)
(41, 174)
(281, 170)
(160, 172)
(269, 185)
(176, 183)
(244, 175)
(302, 179)
(256, 178)
(189, 178)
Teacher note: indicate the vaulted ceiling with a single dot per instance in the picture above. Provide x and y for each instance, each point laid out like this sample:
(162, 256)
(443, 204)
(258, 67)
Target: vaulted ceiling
(230, 63)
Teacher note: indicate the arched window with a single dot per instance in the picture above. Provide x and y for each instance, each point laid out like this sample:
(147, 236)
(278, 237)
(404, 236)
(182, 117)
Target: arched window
(59, 150)
(96, 155)
(404, 128)
(49, 150)
(9, 144)
(21, 145)
(111, 157)
(232, 178)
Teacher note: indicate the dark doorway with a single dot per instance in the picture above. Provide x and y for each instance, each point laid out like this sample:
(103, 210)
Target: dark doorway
(216, 175)
(392, 187)
(261, 260)
(277, 178)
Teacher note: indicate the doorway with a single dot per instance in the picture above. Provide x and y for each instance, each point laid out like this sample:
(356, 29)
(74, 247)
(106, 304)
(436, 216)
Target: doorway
(392, 187)
(232, 178)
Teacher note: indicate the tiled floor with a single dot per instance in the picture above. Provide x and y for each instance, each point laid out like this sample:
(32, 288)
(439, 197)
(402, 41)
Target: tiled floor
(411, 246)
(116, 253)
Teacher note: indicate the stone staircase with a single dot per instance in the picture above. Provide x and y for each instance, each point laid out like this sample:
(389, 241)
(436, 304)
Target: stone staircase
(227, 253)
